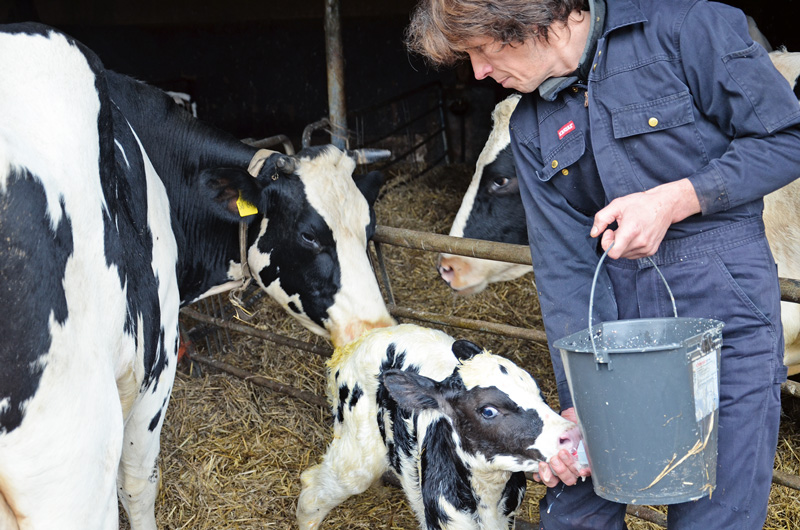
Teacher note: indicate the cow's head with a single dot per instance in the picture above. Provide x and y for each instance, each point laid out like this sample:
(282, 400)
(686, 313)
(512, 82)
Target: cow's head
(491, 210)
(497, 410)
(307, 245)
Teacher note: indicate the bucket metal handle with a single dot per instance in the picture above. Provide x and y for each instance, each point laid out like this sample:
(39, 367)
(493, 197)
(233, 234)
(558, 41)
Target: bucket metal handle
(602, 356)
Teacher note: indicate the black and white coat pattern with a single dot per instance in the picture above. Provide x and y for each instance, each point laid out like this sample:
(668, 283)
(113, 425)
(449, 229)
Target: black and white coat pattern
(490, 210)
(117, 207)
(457, 424)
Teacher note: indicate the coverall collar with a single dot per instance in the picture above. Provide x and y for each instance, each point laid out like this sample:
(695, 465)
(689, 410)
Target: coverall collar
(623, 14)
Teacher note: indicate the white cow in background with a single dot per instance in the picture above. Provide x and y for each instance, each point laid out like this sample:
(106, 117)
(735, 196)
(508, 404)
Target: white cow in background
(782, 220)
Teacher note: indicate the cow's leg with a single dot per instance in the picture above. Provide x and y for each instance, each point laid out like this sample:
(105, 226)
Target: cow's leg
(138, 476)
(8, 521)
(347, 469)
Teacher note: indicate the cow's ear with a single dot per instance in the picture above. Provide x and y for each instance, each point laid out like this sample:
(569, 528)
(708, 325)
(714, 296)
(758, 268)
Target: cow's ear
(411, 391)
(232, 193)
(369, 185)
(464, 349)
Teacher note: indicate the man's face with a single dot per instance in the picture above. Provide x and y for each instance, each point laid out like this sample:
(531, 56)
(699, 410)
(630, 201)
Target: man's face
(523, 66)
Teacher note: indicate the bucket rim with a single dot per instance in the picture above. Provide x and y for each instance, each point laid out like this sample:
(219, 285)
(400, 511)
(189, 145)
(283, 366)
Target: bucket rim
(580, 342)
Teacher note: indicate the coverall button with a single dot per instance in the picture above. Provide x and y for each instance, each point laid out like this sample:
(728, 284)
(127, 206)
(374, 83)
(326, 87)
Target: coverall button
(652, 122)
(554, 164)
(565, 171)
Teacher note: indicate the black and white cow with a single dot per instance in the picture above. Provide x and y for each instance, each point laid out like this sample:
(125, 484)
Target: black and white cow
(492, 204)
(491, 210)
(116, 208)
(457, 424)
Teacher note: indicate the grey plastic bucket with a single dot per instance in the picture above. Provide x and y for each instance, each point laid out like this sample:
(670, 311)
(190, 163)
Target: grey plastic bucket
(646, 393)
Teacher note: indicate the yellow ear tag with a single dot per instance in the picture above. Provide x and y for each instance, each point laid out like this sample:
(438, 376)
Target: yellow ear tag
(245, 208)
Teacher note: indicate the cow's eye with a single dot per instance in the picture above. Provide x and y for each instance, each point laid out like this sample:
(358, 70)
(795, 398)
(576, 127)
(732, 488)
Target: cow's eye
(489, 412)
(499, 183)
(310, 241)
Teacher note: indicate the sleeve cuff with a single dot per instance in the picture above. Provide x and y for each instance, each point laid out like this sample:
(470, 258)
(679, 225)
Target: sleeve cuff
(710, 189)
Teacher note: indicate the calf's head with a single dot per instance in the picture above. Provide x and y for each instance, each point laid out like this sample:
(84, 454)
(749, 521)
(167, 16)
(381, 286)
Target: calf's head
(496, 408)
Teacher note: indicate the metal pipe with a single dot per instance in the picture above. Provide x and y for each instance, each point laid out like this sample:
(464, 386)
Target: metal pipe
(790, 290)
(791, 388)
(520, 254)
(647, 514)
(289, 390)
(785, 479)
(468, 323)
(477, 248)
(271, 141)
(310, 128)
(258, 333)
(337, 110)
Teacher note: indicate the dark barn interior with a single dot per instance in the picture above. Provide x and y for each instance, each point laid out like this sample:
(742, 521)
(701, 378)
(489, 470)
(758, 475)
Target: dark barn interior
(257, 69)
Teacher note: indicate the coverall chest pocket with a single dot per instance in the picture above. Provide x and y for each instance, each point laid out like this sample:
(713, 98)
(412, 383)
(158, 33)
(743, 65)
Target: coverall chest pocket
(660, 138)
(559, 158)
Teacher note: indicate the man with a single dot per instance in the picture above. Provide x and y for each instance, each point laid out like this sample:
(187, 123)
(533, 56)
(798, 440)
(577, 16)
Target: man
(658, 127)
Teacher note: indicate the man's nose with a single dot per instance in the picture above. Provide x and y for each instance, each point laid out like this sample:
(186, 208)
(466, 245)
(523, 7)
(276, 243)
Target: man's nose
(481, 68)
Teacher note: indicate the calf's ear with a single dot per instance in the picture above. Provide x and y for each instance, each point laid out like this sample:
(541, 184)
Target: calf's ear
(369, 185)
(464, 349)
(411, 391)
(231, 193)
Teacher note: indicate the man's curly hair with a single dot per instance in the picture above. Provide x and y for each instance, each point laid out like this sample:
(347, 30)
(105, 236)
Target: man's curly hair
(440, 30)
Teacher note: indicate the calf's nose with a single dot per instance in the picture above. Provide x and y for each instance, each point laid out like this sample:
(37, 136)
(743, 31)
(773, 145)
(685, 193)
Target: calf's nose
(570, 439)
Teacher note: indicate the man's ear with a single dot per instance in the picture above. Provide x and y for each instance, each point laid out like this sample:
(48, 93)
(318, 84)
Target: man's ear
(231, 193)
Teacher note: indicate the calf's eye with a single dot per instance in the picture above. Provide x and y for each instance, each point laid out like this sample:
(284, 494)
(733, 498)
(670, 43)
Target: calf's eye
(489, 412)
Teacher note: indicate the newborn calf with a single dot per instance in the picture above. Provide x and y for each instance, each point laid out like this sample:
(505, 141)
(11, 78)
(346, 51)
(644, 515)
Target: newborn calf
(458, 425)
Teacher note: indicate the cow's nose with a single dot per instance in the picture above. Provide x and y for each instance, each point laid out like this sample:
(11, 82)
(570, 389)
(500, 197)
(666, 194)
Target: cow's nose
(447, 273)
(570, 439)
(446, 269)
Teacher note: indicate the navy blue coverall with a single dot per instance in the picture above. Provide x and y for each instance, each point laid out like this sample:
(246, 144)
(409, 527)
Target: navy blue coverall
(676, 90)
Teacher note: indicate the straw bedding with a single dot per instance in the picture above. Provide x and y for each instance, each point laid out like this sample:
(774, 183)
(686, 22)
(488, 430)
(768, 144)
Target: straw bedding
(232, 452)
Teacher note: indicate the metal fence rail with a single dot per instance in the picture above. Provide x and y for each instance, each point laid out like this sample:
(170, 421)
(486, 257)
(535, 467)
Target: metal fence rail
(411, 125)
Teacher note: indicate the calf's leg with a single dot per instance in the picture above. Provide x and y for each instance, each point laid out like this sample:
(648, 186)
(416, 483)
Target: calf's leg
(347, 469)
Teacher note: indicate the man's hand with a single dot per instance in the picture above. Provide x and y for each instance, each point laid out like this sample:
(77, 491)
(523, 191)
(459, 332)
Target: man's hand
(563, 467)
(643, 219)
